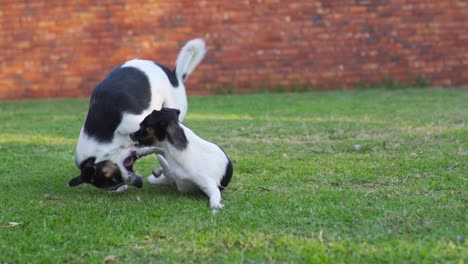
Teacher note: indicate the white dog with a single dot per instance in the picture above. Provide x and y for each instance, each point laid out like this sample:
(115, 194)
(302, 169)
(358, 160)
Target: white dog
(187, 160)
(104, 153)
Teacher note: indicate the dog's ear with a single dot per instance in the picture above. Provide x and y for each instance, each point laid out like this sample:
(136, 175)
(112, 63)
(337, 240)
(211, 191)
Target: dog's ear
(75, 181)
(151, 120)
(170, 114)
(170, 110)
(89, 162)
(88, 172)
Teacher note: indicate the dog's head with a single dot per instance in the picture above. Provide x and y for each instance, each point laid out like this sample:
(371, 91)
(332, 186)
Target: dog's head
(107, 174)
(153, 127)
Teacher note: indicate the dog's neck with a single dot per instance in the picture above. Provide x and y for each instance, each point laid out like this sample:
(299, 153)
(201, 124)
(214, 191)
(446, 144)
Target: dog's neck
(176, 136)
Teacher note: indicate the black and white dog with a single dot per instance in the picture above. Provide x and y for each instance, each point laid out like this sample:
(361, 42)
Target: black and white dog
(105, 153)
(187, 160)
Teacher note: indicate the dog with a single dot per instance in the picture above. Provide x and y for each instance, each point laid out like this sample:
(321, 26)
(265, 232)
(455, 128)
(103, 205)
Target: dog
(189, 161)
(105, 154)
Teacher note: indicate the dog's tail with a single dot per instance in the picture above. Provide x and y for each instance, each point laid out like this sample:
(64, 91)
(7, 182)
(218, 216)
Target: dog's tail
(189, 57)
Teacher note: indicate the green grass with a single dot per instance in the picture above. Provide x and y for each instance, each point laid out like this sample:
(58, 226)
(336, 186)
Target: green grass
(368, 176)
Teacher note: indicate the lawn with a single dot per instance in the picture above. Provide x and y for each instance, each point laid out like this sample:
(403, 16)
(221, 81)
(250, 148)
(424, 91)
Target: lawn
(366, 176)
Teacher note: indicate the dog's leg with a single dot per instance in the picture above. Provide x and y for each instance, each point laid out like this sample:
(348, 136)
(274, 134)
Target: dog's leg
(161, 175)
(158, 172)
(160, 180)
(163, 163)
(211, 189)
(148, 151)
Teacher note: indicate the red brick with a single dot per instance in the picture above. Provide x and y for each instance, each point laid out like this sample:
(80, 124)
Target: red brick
(59, 49)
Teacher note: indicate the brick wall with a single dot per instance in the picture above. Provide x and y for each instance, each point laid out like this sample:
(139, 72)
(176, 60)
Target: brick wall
(63, 48)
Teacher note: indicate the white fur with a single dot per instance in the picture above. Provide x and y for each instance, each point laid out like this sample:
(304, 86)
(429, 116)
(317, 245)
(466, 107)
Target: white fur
(122, 188)
(200, 166)
(162, 94)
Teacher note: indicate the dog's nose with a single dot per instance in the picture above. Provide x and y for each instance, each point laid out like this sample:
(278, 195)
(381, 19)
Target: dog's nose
(138, 182)
(135, 180)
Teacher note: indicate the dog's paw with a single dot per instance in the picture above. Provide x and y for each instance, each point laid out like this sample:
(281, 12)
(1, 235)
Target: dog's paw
(216, 207)
(157, 179)
(157, 172)
(152, 179)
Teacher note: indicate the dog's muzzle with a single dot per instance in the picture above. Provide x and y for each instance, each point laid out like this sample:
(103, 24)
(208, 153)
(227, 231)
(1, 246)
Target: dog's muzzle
(135, 180)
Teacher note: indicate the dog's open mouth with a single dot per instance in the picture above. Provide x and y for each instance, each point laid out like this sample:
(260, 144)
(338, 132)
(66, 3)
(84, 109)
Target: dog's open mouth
(130, 161)
(133, 178)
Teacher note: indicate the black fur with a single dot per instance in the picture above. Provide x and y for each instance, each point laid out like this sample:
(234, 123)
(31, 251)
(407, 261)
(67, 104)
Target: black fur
(227, 176)
(170, 74)
(125, 89)
(87, 162)
(176, 135)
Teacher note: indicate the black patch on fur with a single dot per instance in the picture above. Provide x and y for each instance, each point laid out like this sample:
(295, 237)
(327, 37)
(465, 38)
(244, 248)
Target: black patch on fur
(87, 162)
(170, 74)
(227, 176)
(176, 135)
(124, 90)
